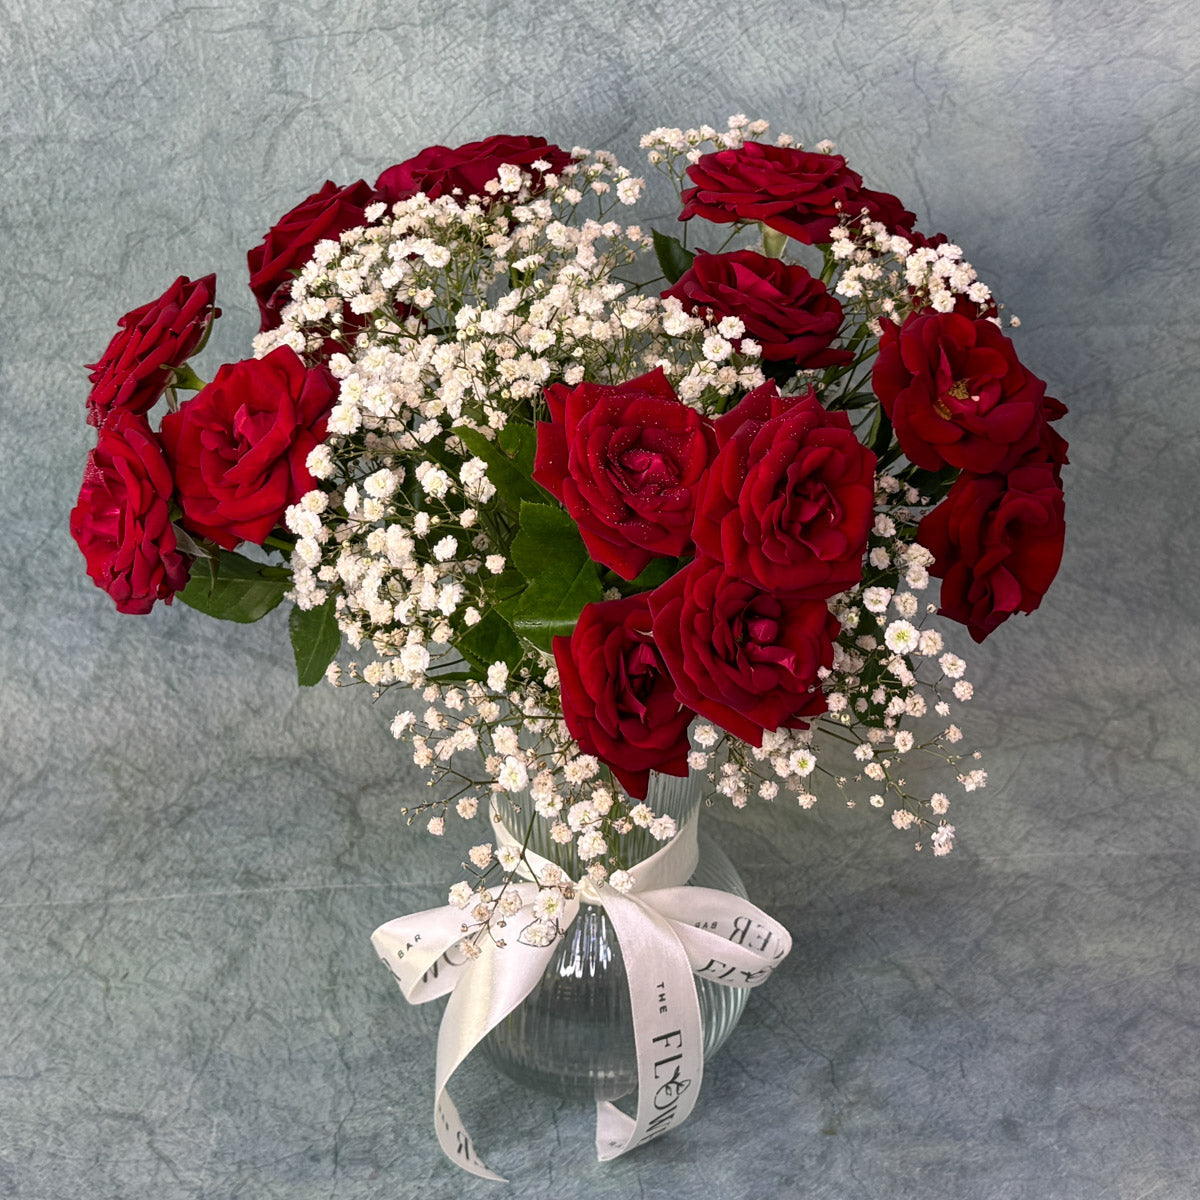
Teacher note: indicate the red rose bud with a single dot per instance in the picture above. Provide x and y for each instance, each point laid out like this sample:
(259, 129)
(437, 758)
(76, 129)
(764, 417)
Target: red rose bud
(956, 393)
(625, 461)
(789, 500)
(464, 172)
(744, 658)
(122, 521)
(289, 244)
(784, 309)
(997, 542)
(618, 699)
(795, 192)
(135, 368)
(238, 447)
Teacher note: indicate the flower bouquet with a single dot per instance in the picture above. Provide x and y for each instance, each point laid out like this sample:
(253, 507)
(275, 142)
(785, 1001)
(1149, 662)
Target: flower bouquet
(606, 508)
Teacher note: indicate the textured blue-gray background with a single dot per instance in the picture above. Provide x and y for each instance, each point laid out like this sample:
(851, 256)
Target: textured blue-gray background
(192, 852)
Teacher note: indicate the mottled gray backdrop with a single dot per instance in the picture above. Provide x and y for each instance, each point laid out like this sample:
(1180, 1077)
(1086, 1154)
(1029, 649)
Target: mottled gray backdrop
(193, 852)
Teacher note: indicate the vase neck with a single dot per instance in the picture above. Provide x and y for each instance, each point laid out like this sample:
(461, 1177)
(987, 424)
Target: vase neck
(668, 795)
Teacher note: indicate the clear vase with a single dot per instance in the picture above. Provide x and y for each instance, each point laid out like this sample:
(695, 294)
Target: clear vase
(572, 1036)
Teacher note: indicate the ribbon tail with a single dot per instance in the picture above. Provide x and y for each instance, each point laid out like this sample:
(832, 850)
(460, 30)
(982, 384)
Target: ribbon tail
(489, 988)
(668, 1035)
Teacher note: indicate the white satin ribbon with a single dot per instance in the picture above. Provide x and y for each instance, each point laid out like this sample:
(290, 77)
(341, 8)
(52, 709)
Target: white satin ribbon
(667, 933)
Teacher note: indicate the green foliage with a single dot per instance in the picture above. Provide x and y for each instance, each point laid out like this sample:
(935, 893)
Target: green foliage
(492, 640)
(549, 552)
(315, 640)
(234, 588)
(509, 471)
(672, 256)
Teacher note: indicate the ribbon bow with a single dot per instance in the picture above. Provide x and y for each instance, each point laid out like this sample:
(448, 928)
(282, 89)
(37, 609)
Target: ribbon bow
(668, 935)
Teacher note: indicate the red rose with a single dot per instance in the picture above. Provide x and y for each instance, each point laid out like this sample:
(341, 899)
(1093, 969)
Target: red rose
(800, 194)
(135, 369)
(742, 657)
(617, 698)
(625, 462)
(122, 521)
(788, 502)
(956, 392)
(784, 309)
(885, 208)
(289, 244)
(238, 447)
(440, 171)
(997, 542)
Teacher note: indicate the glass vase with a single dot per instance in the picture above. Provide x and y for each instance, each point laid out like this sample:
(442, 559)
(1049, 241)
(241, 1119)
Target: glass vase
(572, 1036)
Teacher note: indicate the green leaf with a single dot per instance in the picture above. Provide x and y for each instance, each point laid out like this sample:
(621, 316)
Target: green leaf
(934, 484)
(492, 640)
(672, 256)
(880, 437)
(547, 532)
(549, 552)
(551, 605)
(315, 640)
(234, 588)
(509, 477)
(656, 572)
(519, 442)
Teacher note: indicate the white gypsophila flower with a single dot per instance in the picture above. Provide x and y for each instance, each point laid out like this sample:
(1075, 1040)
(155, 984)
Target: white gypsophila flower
(513, 775)
(917, 577)
(621, 881)
(641, 815)
(876, 599)
(509, 857)
(436, 826)
(939, 803)
(467, 807)
(591, 845)
(964, 690)
(716, 349)
(904, 741)
(662, 828)
(903, 819)
(802, 763)
(481, 855)
(319, 462)
(929, 643)
(381, 484)
(460, 895)
(901, 637)
(497, 676)
(942, 839)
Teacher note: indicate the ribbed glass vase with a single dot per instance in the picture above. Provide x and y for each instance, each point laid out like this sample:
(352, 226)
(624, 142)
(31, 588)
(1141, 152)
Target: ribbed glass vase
(572, 1036)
